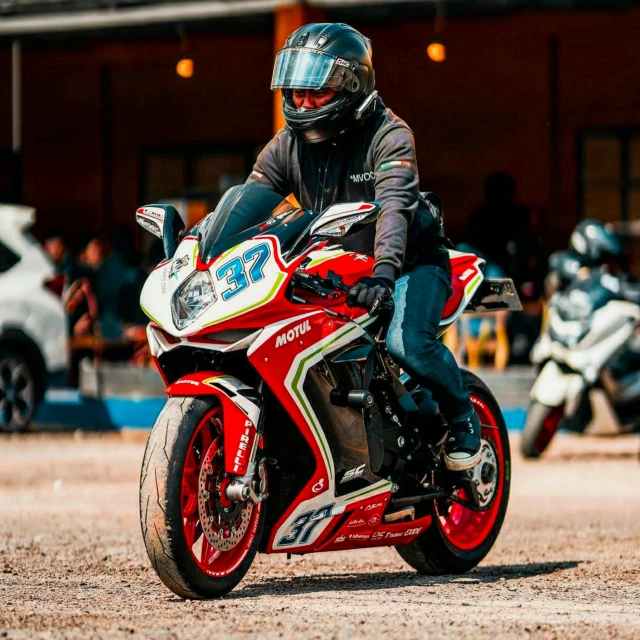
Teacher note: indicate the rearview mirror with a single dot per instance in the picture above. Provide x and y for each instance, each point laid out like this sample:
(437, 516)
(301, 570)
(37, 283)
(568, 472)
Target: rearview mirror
(163, 221)
(345, 218)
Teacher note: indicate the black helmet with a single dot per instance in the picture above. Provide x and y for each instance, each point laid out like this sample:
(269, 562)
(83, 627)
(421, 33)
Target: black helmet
(596, 242)
(325, 56)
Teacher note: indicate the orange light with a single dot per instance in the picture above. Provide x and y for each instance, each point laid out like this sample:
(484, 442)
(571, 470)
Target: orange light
(437, 51)
(184, 68)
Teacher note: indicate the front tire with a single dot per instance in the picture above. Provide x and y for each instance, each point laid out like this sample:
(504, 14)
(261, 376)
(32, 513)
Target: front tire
(459, 538)
(539, 429)
(183, 452)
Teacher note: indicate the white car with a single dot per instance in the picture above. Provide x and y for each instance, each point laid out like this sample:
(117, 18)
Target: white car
(33, 328)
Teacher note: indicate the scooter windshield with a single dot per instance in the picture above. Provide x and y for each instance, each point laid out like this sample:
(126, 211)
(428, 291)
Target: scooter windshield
(246, 211)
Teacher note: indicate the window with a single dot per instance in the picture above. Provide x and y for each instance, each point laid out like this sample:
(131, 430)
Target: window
(193, 178)
(609, 164)
(8, 259)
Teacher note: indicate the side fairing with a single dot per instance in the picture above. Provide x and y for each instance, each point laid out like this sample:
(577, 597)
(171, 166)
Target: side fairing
(284, 355)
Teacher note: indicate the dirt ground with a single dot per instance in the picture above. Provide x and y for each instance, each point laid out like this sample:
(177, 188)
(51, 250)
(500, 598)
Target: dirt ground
(72, 563)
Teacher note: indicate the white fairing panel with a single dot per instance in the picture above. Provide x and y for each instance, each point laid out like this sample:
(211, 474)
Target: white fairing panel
(244, 278)
(554, 388)
(610, 328)
(342, 210)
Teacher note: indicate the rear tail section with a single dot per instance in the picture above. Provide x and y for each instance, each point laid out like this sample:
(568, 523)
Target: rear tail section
(495, 294)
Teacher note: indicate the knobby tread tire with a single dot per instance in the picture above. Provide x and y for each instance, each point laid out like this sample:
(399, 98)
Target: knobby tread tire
(160, 504)
(431, 553)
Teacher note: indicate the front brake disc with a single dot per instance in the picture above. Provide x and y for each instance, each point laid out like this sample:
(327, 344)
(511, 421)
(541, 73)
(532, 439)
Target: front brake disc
(224, 522)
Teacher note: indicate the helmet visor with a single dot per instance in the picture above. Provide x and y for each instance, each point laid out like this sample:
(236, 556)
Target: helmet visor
(305, 69)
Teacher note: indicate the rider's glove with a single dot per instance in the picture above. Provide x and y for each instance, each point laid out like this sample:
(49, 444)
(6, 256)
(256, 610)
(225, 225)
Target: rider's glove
(370, 293)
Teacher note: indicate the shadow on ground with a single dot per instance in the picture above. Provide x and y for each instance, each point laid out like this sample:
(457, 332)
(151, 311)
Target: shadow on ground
(393, 580)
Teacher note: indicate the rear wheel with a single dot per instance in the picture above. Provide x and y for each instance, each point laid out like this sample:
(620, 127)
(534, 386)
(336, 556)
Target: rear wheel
(18, 393)
(540, 427)
(200, 543)
(460, 537)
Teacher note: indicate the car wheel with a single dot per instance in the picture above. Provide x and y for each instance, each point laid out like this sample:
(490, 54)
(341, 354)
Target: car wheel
(18, 396)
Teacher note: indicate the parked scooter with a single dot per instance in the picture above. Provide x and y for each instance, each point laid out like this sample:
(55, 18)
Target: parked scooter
(589, 351)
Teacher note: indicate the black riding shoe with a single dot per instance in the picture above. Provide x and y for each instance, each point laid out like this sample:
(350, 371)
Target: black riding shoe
(462, 447)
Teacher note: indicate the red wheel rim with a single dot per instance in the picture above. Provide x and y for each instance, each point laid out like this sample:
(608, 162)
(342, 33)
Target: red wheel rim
(207, 441)
(462, 527)
(549, 428)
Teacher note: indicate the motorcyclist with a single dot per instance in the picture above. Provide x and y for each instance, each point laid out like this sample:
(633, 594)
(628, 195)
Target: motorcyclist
(341, 144)
(601, 255)
(563, 268)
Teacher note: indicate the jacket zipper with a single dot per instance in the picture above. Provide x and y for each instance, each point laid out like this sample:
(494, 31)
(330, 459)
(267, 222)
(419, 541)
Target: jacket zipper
(324, 181)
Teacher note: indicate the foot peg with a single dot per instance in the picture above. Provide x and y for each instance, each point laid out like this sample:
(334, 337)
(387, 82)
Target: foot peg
(403, 514)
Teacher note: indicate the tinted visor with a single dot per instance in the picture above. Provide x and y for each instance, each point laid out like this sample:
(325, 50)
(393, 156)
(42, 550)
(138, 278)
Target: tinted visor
(305, 69)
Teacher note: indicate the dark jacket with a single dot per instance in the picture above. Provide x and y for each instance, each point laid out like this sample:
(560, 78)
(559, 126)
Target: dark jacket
(372, 161)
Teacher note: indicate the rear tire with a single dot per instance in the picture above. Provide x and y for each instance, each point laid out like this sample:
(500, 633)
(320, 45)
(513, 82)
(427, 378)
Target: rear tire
(166, 512)
(539, 429)
(459, 539)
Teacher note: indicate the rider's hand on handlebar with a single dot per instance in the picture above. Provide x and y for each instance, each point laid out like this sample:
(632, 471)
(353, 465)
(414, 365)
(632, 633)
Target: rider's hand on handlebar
(370, 293)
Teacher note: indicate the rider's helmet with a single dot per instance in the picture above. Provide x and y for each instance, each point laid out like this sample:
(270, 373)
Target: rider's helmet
(596, 242)
(563, 270)
(325, 56)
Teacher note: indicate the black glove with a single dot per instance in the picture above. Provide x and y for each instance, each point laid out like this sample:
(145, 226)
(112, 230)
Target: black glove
(370, 293)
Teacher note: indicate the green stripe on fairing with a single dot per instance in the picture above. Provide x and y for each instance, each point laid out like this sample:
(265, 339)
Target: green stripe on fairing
(473, 282)
(364, 493)
(195, 251)
(302, 398)
(146, 313)
(253, 306)
(317, 261)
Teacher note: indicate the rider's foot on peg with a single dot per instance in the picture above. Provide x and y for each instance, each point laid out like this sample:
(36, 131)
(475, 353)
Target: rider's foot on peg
(462, 447)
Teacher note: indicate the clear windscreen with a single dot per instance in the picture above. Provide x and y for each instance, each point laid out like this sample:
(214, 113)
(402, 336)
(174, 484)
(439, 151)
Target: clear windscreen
(304, 69)
(247, 211)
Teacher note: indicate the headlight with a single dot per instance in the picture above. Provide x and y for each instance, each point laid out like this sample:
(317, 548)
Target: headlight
(192, 297)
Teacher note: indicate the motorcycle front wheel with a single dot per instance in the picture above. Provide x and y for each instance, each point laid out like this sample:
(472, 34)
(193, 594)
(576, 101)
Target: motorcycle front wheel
(460, 537)
(200, 543)
(540, 427)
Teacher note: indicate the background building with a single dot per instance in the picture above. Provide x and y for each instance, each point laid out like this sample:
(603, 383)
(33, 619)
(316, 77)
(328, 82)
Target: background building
(547, 93)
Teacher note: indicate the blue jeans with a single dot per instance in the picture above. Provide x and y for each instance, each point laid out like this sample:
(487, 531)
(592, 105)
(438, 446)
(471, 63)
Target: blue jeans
(419, 299)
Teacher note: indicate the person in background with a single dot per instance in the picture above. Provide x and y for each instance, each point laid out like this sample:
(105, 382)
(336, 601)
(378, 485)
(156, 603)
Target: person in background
(79, 298)
(118, 282)
(528, 268)
(499, 221)
(56, 247)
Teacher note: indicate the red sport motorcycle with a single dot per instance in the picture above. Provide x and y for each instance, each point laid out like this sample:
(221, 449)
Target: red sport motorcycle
(288, 428)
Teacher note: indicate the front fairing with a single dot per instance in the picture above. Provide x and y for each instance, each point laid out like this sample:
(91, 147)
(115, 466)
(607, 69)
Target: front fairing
(245, 277)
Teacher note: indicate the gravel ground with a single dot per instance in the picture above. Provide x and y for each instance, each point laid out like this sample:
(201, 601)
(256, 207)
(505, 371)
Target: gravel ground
(72, 563)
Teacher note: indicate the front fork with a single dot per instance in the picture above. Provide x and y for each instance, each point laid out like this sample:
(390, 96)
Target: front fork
(247, 486)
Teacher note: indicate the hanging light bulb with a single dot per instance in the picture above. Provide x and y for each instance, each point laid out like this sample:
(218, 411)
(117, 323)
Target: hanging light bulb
(437, 51)
(184, 68)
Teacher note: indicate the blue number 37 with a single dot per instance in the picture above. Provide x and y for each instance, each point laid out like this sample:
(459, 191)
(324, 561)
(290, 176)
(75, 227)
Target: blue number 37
(240, 273)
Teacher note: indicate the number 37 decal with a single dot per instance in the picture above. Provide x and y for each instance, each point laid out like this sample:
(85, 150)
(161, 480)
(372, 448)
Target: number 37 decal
(241, 273)
(302, 527)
